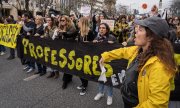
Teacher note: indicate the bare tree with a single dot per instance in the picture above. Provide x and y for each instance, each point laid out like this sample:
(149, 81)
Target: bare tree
(122, 9)
(17, 6)
(110, 6)
(43, 5)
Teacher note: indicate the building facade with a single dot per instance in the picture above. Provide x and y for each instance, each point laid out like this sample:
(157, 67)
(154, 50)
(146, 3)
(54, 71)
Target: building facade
(17, 7)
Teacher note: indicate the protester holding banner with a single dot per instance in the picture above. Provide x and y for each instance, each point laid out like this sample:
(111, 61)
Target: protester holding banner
(39, 31)
(104, 36)
(2, 48)
(85, 35)
(48, 33)
(10, 20)
(66, 31)
(148, 59)
(27, 30)
(49, 28)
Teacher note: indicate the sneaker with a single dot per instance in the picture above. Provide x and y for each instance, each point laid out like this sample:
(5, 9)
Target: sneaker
(98, 96)
(80, 87)
(83, 91)
(29, 70)
(2, 53)
(26, 68)
(109, 100)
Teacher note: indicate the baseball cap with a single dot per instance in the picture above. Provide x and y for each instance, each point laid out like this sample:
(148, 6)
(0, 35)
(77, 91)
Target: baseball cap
(157, 25)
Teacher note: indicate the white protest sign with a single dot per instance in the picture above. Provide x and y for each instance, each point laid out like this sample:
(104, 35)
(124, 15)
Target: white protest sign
(85, 10)
(110, 23)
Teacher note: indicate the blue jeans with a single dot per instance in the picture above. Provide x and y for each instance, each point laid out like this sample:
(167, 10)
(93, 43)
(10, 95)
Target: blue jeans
(109, 89)
(2, 48)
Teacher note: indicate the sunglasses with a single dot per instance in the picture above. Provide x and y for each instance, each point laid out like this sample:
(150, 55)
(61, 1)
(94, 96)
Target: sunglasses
(62, 20)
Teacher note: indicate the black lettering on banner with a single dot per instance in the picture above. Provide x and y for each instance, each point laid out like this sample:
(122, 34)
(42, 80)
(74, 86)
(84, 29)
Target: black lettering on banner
(8, 34)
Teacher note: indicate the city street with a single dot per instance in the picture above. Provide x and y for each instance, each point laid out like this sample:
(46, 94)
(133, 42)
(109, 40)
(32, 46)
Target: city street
(21, 90)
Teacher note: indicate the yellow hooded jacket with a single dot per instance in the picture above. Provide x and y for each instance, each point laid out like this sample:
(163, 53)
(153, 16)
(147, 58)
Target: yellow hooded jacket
(154, 82)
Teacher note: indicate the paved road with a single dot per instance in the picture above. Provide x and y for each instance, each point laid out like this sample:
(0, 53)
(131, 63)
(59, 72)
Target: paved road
(40, 92)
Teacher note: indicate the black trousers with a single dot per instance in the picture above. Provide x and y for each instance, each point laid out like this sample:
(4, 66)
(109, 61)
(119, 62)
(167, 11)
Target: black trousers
(12, 52)
(41, 68)
(84, 82)
(67, 78)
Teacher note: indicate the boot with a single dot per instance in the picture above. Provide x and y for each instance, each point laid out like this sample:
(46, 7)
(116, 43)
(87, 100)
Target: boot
(56, 75)
(52, 74)
(64, 86)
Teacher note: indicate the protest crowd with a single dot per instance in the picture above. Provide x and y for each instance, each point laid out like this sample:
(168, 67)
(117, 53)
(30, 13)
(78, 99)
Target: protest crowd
(148, 43)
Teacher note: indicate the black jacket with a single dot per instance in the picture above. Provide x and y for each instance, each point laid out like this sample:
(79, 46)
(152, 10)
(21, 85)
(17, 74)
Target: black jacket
(90, 37)
(39, 30)
(175, 95)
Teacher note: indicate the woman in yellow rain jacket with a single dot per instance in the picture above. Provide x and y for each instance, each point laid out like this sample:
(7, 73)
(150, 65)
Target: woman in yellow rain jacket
(156, 65)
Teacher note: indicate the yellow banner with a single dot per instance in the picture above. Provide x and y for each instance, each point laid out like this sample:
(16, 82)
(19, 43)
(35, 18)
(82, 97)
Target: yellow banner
(8, 34)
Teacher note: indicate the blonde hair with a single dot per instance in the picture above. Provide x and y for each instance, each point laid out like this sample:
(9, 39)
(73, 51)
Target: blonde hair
(68, 21)
(40, 18)
(84, 26)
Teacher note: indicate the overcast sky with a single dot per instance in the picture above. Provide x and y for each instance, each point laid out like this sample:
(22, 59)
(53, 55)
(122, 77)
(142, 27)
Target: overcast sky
(137, 4)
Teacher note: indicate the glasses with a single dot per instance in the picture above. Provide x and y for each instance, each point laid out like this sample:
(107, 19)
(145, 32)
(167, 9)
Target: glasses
(62, 20)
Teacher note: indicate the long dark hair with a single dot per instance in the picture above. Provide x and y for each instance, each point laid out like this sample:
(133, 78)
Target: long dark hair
(162, 48)
(107, 28)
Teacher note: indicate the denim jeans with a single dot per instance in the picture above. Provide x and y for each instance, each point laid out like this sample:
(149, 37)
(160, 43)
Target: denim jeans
(109, 89)
(2, 48)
